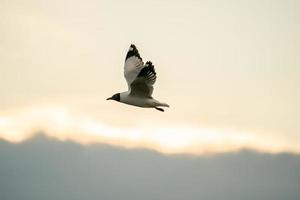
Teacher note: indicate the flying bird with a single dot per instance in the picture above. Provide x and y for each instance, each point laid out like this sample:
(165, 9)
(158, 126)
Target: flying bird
(140, 79)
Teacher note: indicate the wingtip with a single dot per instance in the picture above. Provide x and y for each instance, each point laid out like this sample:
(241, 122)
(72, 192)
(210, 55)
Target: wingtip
(133, 51)
(150, 65)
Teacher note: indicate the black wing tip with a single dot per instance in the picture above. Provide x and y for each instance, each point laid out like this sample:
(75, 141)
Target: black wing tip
(148, 72)
(150, 65)
(133, 52)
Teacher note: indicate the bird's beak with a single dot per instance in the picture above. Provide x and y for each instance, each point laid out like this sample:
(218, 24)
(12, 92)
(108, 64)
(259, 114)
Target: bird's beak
(109, 98)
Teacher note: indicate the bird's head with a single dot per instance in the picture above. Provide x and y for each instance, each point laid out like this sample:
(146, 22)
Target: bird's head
(115, 97)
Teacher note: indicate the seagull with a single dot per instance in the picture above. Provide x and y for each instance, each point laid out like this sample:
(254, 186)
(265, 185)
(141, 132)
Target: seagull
(140, 79)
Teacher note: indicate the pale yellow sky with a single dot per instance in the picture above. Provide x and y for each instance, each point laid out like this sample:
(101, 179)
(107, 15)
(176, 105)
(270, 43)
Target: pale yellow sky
(231, 66)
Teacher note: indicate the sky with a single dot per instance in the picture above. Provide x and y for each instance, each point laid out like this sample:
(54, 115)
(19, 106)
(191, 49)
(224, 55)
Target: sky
(228, 69)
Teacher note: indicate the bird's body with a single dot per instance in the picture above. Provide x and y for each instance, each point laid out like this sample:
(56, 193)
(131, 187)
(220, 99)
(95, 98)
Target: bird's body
(144, 102)
(140, 80)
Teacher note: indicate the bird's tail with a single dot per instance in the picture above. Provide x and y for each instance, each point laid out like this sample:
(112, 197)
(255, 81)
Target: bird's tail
(159, 104)
(163, 104)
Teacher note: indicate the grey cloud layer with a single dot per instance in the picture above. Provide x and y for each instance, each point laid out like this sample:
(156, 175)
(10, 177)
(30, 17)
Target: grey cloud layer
(45, 169)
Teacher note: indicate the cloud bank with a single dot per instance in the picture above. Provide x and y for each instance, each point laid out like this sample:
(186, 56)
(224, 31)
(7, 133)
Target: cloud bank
(46, 169)
(64, 125)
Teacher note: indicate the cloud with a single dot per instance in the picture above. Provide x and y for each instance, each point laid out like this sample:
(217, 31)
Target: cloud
(64, 125)
(43, 168)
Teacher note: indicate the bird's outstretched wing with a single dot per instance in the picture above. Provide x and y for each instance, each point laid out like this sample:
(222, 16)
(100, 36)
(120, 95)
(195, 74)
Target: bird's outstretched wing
(142, 85)
(133, 65)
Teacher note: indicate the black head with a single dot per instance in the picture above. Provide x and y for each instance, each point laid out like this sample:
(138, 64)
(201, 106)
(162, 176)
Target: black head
(115, 97)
